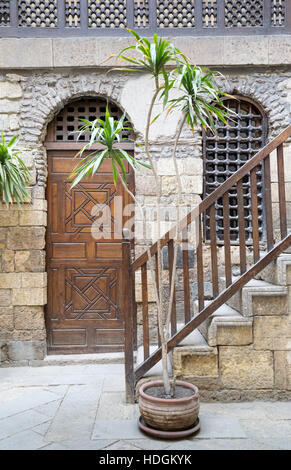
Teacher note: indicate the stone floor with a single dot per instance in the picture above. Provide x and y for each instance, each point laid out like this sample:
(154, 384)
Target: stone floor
(82, 407)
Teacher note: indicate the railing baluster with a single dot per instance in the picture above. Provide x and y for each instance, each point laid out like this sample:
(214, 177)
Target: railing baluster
(134, 312)
(268, 203)
(255, 221)
(241, 227)
(157, 285)
(200, 275)
(213, 248)
(185, 253)
(226, 234)
(127, 289)
(282, 196)
(171, 267)
(145, 311)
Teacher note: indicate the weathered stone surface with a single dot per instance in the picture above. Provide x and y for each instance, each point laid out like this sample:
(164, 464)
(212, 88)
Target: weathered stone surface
(272, 305)
(202, 51)
(32, 218)
(14, 122)
(189, 166)
(31, 296)
(31, 261)
(9, 280)
(282, 362)
(77, 52)
(187, 361)
(20, 238)
(5, 297)
(10, 90)
(279, 49)
(34, 280)
(242, 367)
(6, 318)
(29, 318)
(25, 53)
(29, 335)
(7, 261)
(26, 350)
(8, 218)
(146, 185)
(9, 106)
(232, 334)
(237, 49)
(272, 333)
(208, 292)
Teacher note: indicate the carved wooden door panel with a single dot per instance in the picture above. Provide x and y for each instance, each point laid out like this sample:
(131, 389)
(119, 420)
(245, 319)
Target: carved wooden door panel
(83, 311)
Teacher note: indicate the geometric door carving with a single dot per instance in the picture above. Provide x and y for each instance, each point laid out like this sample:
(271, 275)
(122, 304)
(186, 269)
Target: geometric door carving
(83, 313)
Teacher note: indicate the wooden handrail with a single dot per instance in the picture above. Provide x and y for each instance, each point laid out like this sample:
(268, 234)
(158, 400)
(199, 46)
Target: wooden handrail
(242, 185)
(217, 193)
(215, 304)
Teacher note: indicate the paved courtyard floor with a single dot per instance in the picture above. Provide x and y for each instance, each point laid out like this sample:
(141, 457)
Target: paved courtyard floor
(76, 407)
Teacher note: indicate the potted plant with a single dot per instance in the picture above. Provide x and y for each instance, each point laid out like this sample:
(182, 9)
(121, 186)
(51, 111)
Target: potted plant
(14, 174)
(167, 406)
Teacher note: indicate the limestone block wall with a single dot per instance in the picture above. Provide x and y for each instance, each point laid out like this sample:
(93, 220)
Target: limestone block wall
(34, 87)
(253, 362)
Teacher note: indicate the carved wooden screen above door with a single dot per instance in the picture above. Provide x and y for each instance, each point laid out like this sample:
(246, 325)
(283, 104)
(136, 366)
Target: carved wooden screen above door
(83, 312)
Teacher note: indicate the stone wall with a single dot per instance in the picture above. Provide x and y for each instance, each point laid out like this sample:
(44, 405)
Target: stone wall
(30, 98)
(248, 362)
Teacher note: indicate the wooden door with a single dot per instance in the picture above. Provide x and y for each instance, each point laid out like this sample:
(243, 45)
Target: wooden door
(83, 311)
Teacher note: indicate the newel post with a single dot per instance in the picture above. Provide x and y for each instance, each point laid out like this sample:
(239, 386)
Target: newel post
(126, 280)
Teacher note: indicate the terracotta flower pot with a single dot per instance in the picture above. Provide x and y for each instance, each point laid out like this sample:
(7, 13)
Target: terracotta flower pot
(169, 414)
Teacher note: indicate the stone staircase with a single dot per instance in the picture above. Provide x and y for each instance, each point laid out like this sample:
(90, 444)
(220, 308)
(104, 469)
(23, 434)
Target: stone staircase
(252, 324)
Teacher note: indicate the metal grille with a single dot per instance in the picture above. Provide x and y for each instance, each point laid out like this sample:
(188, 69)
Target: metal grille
(38, 13)
(107, 13)
(141, 13)
(67, 123)
(4, 12)
(278, 13)
(209, 13)
(239, 13)
(224, 154)
(72, 13)
(175, 14)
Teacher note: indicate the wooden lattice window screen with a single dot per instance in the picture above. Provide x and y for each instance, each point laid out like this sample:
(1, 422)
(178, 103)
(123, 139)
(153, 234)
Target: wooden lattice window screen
(38, 13)
(239, 13)
(224, 154)
(278, 12)
(107, 14)
(67, 123)
(176, 14)
(72, 13)
(4, 13)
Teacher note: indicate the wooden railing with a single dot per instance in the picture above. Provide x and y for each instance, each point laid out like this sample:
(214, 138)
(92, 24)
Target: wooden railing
(220, 294)
(58, 18)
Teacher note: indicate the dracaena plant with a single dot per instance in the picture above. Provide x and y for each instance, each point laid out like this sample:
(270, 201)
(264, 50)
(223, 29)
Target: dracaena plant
(108, 133)
(14, 174)
(199, 102)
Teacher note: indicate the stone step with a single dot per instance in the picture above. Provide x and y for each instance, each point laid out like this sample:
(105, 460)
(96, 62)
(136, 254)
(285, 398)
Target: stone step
(196, 362)
(226, 327)
(157, 370)
(74, 359)
(251, 299)
(278, 272)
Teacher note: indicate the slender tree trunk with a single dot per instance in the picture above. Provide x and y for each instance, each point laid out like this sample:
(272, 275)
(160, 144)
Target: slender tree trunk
(178, 235)
(161, 311)
(147, 243)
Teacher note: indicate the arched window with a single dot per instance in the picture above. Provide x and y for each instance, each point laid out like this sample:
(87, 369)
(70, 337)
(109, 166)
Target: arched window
(228, 150)
(65, 126)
